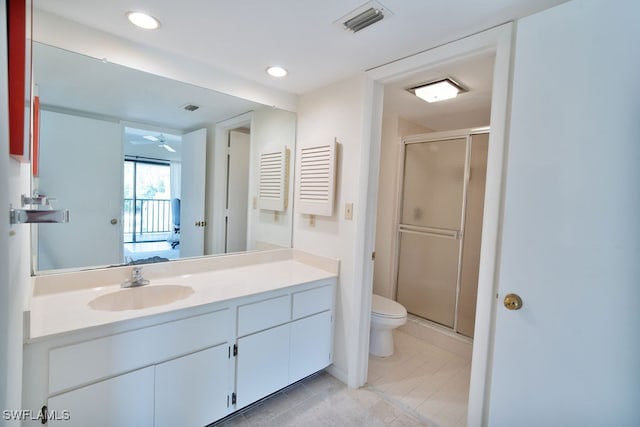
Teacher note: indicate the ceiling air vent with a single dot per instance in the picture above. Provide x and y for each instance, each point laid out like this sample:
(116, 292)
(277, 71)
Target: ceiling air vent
(190, 107)
(363, 20)
(364, 16)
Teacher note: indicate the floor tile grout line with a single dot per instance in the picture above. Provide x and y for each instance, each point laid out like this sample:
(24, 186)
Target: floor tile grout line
(403, 407)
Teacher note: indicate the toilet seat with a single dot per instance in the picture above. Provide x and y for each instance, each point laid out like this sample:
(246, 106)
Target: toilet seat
(386, 308)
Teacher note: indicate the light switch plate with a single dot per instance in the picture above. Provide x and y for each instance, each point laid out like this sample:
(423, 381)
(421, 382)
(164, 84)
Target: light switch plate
(348, 211)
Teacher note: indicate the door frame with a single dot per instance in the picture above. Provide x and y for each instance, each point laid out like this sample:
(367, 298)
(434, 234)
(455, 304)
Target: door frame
(216, 194)
(499, 40)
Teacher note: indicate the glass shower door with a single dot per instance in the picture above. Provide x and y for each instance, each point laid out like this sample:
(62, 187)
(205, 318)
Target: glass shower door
(427, 275)
(430, 228)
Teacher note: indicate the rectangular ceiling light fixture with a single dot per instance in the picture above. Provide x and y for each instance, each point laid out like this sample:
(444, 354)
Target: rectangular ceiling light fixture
(364, 19)
(438, 90)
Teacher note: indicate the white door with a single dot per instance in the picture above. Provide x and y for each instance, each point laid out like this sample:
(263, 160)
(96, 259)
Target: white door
(193, 390)
(310, 345)
(571, 230)
(194, 150)
(81, 166)
(237, 191)
(123, 401)
(263, 364)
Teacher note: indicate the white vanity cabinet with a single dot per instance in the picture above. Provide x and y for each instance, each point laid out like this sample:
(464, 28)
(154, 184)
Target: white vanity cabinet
(292, 340)
(191, 390)
(159, 373)
(190, 367)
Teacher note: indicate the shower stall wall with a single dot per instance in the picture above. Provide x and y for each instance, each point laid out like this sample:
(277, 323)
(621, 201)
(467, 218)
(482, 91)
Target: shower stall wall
(440, 226)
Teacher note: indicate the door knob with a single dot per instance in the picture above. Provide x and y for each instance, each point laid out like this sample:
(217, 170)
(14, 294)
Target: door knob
(114, 221)
(512, 302)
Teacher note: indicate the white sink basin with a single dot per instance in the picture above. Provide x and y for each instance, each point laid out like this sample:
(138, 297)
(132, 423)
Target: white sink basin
(140, 297)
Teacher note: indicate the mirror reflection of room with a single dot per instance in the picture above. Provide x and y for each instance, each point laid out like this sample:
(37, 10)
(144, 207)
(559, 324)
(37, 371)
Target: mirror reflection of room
(151, 168)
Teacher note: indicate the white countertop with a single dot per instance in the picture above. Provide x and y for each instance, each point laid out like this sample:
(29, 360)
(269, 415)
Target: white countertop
(68, 310)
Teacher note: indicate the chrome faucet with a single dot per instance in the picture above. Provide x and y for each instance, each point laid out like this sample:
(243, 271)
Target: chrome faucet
(136, 279)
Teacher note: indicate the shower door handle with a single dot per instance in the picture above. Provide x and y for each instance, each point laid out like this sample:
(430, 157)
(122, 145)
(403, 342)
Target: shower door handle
(430, 231)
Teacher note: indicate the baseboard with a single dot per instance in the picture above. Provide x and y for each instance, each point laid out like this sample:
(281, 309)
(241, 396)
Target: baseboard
(337, 373)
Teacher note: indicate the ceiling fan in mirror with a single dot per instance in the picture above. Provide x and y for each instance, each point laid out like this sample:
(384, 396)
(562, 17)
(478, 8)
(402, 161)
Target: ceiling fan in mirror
(153, 139)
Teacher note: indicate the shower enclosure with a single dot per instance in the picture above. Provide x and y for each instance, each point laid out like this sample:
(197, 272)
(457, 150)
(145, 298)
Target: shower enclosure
(440, 226)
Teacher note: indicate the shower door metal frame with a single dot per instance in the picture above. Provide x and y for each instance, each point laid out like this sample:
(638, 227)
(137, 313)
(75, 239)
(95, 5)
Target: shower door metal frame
(400, 228)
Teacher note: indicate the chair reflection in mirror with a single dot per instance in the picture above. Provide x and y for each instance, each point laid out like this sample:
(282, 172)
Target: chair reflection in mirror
(174, 240)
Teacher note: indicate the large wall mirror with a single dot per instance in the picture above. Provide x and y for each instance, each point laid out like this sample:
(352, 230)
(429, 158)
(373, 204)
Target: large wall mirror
(140, 160)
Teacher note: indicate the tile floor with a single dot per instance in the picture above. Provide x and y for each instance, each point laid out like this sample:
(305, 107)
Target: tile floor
(420, 385)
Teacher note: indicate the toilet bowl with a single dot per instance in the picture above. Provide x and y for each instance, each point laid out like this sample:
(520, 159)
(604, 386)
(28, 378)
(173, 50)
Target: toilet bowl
(386, 315)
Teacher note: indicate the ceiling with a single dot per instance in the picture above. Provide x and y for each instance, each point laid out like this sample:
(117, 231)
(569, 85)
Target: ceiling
(244, 37)
(68, 81)
(467, 110)
(72, 81)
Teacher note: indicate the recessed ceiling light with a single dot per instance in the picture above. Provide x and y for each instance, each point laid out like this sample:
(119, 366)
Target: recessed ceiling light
(276, 71)
(143, 20)
(438, 90)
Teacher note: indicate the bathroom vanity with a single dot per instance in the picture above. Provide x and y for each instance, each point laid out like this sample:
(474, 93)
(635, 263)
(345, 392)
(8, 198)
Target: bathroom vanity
(247, 326)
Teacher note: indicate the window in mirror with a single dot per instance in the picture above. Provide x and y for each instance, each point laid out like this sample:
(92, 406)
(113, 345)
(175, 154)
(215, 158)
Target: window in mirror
(152, 186)
(147, 216)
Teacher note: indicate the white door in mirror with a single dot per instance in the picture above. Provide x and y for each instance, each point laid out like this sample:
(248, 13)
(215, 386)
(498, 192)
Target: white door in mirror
(194, 150)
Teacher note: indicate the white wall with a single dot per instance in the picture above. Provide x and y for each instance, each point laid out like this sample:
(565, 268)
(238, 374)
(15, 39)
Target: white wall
(271, 130)
(9, 389)
(340, 111)
(19, 285)
(14, 254)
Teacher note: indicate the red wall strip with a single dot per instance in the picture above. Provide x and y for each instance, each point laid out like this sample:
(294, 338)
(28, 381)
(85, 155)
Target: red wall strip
(16, 34)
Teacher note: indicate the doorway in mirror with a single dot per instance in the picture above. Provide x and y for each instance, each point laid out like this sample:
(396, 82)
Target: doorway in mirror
(161, 171)
(238, 155)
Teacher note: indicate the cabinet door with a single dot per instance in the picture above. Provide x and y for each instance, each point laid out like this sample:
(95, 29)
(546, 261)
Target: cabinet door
(263, 364)
(193, 390)
(311, 345)
(123, 401)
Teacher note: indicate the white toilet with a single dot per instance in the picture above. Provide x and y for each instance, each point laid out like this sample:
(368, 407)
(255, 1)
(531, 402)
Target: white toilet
(386, 315)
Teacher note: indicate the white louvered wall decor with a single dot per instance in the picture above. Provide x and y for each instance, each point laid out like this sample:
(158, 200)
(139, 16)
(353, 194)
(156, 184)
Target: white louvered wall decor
(316, 172)
(274, 180)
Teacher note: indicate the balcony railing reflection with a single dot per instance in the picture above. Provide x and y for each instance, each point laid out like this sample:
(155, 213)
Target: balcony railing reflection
(146, 220)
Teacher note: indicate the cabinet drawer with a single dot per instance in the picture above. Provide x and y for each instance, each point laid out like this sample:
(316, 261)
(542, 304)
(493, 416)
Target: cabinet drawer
(81, 363)
(263, 315)
(306, 303)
